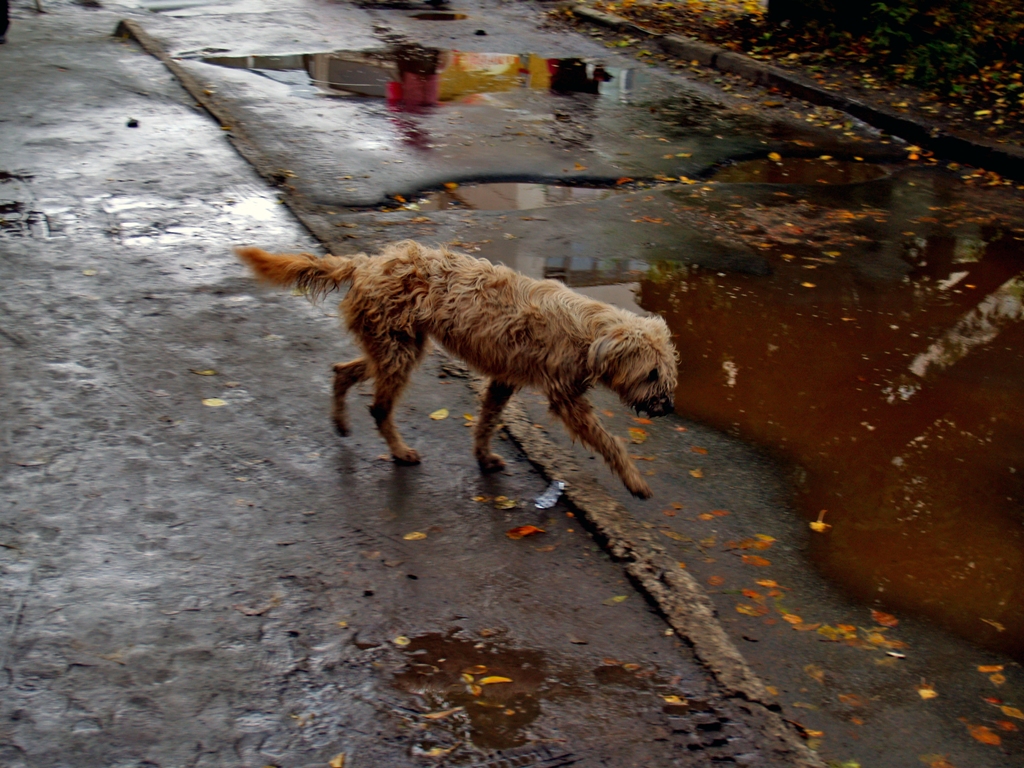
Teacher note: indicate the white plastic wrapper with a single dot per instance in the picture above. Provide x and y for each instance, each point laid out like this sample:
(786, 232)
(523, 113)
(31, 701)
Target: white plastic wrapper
(549, 498)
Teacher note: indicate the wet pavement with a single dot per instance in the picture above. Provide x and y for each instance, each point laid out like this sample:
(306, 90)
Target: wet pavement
(196, 570)
(228, 583)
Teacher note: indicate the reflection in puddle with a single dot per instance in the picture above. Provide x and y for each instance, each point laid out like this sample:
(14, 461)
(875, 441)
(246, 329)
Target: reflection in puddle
(891, 384)
(800, 170)
(413, 77)
(509, 197)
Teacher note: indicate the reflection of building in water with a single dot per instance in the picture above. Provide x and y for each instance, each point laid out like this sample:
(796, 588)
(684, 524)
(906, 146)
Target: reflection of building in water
(421, 76)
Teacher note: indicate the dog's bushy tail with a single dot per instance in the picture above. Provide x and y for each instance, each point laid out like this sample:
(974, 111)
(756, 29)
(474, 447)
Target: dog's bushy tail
(315, 276)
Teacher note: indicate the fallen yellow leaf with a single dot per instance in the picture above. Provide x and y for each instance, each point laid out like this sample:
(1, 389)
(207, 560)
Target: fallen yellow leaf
(214, 402)
(755, 560)
(441, 413)
(204, 372)
(401, 641)
(815, 672)
(338, 761)
(415, 536)
(986, 670)
(774, 157)
(698, 473)
(495, 679)
(1012, 712)
(926, 691)
(442, 715)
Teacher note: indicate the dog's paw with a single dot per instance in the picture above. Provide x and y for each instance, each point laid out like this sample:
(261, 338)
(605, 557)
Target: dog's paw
(407, 456)
(492, 462)
(640, 489)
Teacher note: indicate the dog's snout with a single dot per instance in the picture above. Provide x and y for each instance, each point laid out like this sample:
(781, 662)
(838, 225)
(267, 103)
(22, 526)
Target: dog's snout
(659, 406)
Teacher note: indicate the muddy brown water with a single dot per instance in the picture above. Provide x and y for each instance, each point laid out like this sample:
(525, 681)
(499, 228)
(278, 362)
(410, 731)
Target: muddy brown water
(800, 170)
(891, 388)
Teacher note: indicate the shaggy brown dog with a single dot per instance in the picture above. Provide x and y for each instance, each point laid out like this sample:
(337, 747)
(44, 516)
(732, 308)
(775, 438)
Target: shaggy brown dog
(517, 331)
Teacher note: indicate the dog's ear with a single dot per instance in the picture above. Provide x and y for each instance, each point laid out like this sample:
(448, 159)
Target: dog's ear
(602, 350)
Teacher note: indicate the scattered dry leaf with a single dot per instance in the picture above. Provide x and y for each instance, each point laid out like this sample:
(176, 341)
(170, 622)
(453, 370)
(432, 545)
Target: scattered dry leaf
(884, 619)
(697, 472)
(675, 535)
(755, 560)
(716, 581)
(637, 435)
(495, 679)
(614, 600)
(214, 402)
(927, 691)
(984, 734)
(440, 413)
(815, 672)
(338, 761)
(415, 536)
(523, 530)
(442, 715)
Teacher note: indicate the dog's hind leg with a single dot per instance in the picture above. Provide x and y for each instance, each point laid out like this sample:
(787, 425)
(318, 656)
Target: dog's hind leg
(495, 397)
(346, 375)
(581, 421)
(394, 364)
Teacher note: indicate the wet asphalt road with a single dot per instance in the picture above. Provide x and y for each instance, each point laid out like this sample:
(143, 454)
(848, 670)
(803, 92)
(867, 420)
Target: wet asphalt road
(210, 585)
(221, 585)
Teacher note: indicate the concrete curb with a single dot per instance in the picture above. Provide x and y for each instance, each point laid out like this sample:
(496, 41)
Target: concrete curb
(1008, 159)
(676, 593)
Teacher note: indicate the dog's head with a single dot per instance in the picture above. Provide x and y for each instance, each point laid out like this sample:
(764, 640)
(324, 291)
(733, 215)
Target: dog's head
(635, 358)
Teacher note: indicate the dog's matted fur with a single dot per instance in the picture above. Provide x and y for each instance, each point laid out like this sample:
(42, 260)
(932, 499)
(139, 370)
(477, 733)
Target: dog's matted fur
(516, 331)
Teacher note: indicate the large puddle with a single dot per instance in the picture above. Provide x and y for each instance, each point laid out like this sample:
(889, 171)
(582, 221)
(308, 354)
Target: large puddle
(883, 361)
(413, 77)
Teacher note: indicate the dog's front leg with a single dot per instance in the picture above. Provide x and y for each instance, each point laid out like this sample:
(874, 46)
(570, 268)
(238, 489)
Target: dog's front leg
(495, 397)
(579, 418)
